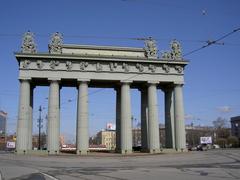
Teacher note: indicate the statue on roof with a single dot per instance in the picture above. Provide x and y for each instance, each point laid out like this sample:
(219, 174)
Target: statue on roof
(28, 43)
(55, 45)
(175, 53)
(176, 49)
(151, 48)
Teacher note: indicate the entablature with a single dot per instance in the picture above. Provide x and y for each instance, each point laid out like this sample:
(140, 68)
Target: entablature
(100, 63)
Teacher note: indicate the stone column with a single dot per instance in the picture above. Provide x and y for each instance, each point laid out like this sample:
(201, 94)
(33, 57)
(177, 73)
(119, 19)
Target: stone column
(53, 133)
(169, 118)
(118, 119)
(82, 118)
(180, 135)
(153, 124)
(23, 117)
(30, 118)
(126, 125)
(144, 119)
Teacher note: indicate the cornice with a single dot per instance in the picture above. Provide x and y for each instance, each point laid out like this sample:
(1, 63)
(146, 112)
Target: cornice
(64, 57)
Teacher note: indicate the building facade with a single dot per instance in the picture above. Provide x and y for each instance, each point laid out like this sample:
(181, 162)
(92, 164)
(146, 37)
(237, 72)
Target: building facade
(121, 68)
(137, 137)
(3, 129)
(107, 138)
(235, 126)
(3, 123)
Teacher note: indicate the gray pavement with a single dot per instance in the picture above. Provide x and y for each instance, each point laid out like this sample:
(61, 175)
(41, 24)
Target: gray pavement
(207, 165)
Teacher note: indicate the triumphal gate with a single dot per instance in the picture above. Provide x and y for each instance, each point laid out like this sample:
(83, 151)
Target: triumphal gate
(121, 68)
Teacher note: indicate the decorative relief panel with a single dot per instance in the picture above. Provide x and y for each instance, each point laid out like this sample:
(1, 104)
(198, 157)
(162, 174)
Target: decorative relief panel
(99, 67)
(152, 68)
(53, 64)
(39, 64)
(83, 65)
(140, 67)
(179, 69)
(126, 67)
(25, 64)
(112, 66)
(166, 68)
(69, 65)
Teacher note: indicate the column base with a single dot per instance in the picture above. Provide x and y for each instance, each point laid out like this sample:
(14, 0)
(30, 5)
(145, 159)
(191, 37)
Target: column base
(126, 151)
(117, 150)
(145, 150)
(21, 151)
(82, 152)
(53, 152)
(181, 150)
(154, 151)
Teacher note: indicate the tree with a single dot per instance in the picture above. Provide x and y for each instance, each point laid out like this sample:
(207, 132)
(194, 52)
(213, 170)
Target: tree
(233, 141)
(220, 123)
(221, 142)
(222, 132)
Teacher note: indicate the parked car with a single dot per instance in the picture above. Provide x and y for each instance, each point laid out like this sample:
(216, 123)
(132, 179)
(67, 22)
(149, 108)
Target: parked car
(202, 147)
(215, 146)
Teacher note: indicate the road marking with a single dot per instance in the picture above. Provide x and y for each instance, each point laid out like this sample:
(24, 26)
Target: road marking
(51, 177)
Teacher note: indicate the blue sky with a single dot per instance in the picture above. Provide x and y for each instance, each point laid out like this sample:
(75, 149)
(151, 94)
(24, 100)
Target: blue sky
(212, 86)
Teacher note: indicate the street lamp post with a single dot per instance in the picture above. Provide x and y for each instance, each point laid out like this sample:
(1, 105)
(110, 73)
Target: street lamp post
(39, 127)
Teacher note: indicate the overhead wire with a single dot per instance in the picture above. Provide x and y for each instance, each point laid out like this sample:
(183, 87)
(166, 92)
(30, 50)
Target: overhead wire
(209, 42)
(116, 38)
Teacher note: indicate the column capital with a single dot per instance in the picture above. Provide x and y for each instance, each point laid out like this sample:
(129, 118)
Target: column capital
(24, 78)
(54, 79)
(153, 82)
(126, 81)
(83, 80)
(180, 83)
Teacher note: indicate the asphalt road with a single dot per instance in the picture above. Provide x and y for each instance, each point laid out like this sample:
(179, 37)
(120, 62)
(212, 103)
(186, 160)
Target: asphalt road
(208, 165)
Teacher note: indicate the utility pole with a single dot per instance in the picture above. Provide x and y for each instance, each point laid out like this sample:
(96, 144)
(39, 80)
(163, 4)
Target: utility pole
(39, 127)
